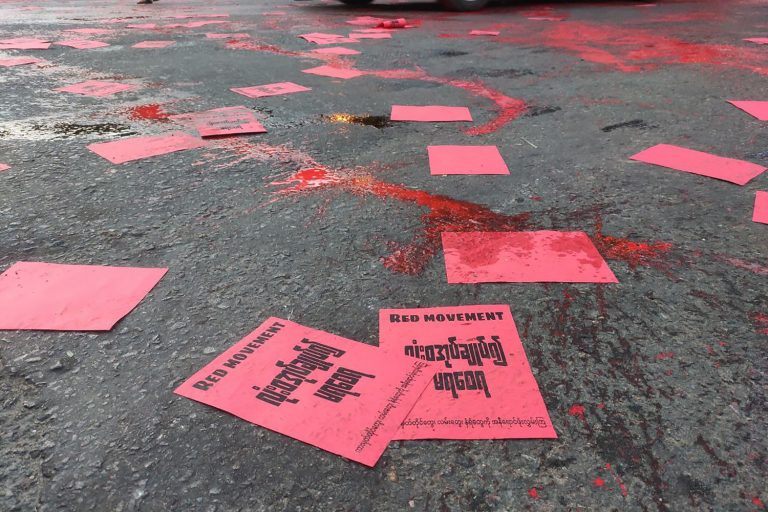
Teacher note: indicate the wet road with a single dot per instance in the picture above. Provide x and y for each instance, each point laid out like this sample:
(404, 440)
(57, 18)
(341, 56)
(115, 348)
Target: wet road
(656, 385)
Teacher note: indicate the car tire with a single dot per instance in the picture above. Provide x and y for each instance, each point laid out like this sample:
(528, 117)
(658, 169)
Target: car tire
(356, 2)
(463, 5)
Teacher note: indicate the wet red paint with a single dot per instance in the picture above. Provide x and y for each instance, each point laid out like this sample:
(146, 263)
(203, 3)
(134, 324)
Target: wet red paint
(533, 493)
(577, 410)
(442, 213)
(508, 108)
(627, 49)
(599, 482)
(664, 355)
(760, 321)
(151, 112)
(617, 479)
(651, 254)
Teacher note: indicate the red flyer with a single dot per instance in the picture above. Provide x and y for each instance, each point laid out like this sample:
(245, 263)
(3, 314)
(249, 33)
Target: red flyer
(483, 388)
(331, 392)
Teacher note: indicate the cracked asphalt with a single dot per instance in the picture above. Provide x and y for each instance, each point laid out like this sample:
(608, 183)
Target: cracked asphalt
(656, 385)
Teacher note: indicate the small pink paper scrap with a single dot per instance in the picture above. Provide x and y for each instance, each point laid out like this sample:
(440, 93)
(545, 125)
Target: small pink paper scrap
(698, 162)
(18, 61)
(97, 88)
(466, 160)
(330, 71)
(137, 148)
(761, 207)
(55, 297)
(758, 109)
(430, 113)
(154, 44)
(82, 44)
(261, 91)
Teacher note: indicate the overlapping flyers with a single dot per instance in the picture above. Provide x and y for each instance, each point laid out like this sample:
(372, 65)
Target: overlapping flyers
(325, 390)
(483, 388)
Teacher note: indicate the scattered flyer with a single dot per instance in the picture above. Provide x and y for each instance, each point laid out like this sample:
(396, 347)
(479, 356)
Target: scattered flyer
(137, 148)
(484, 32)
(18, 61)
(53, 297)
(697, 162)
(524, 257)
(261, 91)
(82, 44)
(4, 167)
(761, 207)
(757, 109)
(222, 121)
(24, 43)
(90, 31)
(334, 72)
(758, 40)
(321, 38)
(466, 160)
(153, 44)
(483, 388)
(322, 389)
(97, 88)
(336, 50)
(430, 113)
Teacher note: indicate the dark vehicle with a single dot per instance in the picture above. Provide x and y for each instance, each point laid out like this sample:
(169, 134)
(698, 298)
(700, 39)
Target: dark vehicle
(453, 5)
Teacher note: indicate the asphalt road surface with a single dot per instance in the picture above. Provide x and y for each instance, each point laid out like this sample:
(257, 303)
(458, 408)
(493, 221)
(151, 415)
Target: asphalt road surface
(656, 385)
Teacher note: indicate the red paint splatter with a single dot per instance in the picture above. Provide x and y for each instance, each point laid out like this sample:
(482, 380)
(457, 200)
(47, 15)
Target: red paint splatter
(151, 112)
(618, 480)
(633, 253)
(755, 268)
(577, 410)
(664, 355)
(760, 320)
(599, 482)
(442, 213)
(533, 493)
(508, 108)
(629, 50)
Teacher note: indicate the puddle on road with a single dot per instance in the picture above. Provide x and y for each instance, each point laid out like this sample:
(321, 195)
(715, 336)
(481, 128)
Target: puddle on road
(61, 130)
(367, 120)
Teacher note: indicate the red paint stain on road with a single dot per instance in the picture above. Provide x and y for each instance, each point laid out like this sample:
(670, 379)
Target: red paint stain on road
(445, 214)
(760, 321)
(755, 268)
(442, 214)
(577, 410)
(617, 479)
(533, 493)
(599, 482)
(508, 108)
(629, 50)
(650, 254)
(151, 112)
